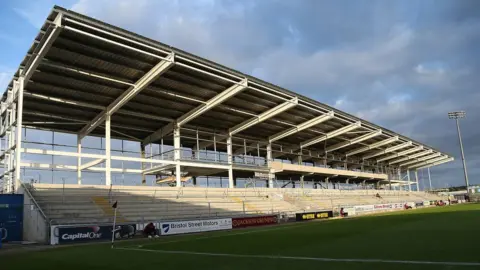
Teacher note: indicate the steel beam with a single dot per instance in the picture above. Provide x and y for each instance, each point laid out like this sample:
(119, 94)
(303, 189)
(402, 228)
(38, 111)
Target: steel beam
(387, 150)
(192, 114)
(432, 156)
(372, 146)
(263, 116)
(108, 159)
(91, 164)
(32, 67)
(429, 163)
(331, 134)
(399, 154)
(18, 132)
(47, 166)
(354, 140)
(308, 124)
(411, 157)
(79, 160)
(130, 93)
(94, 106)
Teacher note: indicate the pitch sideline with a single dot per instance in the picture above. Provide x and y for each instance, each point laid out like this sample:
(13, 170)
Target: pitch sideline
(306, 258)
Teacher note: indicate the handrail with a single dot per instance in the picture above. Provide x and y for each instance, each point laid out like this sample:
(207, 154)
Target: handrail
(33, 200)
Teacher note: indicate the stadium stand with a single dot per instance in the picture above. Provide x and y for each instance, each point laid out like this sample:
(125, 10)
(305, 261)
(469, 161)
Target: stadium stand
(69, 204)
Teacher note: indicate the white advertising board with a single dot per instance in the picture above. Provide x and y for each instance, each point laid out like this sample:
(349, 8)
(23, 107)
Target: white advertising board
(192, 226)
(364, 208)
(350, 211)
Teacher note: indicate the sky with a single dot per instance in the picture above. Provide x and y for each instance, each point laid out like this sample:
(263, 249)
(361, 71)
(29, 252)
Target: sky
(400, 64)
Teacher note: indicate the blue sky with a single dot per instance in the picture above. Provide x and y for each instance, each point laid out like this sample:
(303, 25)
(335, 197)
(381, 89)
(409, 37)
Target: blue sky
(400, 64)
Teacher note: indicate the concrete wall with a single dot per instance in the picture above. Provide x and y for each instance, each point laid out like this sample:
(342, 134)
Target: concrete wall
(35, 227)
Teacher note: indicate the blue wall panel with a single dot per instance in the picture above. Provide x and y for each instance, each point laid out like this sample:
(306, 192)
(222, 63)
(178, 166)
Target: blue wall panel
(11, 217)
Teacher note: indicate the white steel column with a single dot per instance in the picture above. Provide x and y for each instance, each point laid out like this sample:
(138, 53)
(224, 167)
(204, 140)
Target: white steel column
(271, 175)
(230, 162)
(79, 160)
(416, 180)
(18, 144)
(429, 178)
(108, 160)
(143, 165)
(408, 178)
(177, 155)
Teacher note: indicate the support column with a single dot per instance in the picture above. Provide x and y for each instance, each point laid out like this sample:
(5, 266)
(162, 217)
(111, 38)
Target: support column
(142, 155)
(108, 160)
(194, 178)
(177, 157)
(326, 182)
(408, 178)
(230, 162)
(416, 180)
(271, 174)
(302, 183)
(18, 144)
(79, 160)
(298, 160)
(429, 178)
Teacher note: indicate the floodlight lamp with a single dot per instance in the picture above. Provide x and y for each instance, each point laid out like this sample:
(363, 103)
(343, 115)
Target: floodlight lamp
(456, 115)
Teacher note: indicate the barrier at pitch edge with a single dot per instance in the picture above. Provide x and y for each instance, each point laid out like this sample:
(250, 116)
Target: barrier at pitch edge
(244, 222)
(313, 215)
(381, 207)
(88, 233)
(193, 226)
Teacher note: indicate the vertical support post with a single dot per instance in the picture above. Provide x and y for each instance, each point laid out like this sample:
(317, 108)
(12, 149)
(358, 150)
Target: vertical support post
(302, 183)
(142, 155)
(463, 156)
(244, 151)
(429, 179)
(79, 160)
(18, 145)
(326, 182)
(230, 162)
(176, 146)
(194, 178)
(389, 181)
(108, 161)
(198, 147)
(215, 146)
(416, 180)
(161, 149)
(271, 174)
(408, 178)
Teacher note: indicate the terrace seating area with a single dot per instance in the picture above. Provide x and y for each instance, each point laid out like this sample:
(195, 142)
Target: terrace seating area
(67, 204)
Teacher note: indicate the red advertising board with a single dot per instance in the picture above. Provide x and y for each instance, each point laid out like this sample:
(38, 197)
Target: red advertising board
(253, 221)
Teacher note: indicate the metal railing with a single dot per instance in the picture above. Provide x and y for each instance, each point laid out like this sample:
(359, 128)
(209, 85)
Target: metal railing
(211, 156)
(33, 200)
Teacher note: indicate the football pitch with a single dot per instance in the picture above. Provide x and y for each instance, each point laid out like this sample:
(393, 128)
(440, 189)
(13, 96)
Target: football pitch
(431, 238)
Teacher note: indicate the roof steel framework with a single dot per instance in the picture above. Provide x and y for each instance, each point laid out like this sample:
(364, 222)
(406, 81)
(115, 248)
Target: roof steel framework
(84, 76)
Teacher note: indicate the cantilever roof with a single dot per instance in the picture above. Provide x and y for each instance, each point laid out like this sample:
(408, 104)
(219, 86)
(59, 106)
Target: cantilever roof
(88, 64)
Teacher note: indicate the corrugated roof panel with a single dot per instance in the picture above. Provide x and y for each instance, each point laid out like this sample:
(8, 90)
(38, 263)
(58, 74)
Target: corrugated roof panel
(59, 78)
(95, 65)
(108, 56)
(66, 93)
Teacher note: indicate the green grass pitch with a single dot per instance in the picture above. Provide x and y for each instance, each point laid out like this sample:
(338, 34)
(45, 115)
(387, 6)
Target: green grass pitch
(397, 240)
